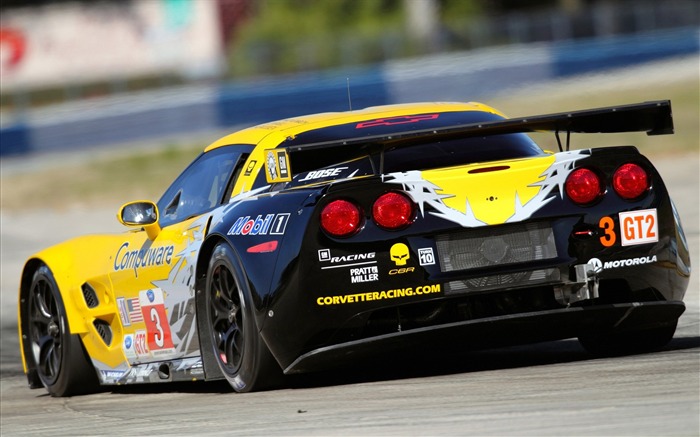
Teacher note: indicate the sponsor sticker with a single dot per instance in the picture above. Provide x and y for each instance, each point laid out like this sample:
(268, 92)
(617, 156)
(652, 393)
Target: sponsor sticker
(138, 259)
(141, 344)
(379, 295)
(270, 224)
(123, 312)
(129, 346)
(250, 168)
(356, 259)
(599, 266)
(364, 274)
(325, 173)
(159, 338)
(639, 227)
(112, 374)
(399, 254)
(426, 257)
(277, 166)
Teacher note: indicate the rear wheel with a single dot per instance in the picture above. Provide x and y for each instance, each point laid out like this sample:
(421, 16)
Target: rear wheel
(56, 357)
(611, 343)
(238, 349)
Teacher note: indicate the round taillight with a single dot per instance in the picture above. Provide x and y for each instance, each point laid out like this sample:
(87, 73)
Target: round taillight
(583, 186)
(630, 181)
(393, 211)
(341, 218)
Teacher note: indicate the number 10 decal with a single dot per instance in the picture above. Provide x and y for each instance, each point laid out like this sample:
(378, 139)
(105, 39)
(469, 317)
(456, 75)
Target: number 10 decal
(158, 336)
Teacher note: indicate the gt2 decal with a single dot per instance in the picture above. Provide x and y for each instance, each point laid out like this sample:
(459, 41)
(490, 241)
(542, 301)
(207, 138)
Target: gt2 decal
(147, 257)
(638, 227)
(378, 295)
(272, 224)
(532, 185)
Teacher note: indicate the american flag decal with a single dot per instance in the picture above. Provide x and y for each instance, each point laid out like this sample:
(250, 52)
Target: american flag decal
(134, 307)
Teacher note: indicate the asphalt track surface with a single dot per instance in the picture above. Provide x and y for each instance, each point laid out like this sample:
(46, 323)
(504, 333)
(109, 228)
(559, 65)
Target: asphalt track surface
(545, 389)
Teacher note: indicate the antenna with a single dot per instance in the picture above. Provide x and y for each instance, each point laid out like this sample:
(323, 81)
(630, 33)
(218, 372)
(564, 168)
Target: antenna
(349, 100)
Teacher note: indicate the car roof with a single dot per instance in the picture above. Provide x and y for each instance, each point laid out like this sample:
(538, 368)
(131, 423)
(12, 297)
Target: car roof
(293, 126)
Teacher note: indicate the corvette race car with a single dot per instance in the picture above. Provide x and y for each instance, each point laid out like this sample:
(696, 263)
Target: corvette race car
(307, 243)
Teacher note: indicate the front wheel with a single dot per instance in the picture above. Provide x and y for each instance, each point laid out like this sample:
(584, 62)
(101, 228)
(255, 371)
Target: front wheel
(241, 354)
(55, 356)
(611, 343)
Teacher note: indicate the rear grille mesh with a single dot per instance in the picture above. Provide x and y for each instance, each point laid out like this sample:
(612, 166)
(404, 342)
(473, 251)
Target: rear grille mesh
(492, 282)
(498, 246)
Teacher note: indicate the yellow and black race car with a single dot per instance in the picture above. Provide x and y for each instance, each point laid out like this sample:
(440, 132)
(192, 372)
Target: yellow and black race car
(305, 243)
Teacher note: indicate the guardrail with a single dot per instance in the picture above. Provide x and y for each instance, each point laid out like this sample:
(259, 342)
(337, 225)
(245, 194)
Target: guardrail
(456, 76)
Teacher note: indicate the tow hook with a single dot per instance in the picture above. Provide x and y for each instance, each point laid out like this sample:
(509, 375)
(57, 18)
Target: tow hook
(585, 286)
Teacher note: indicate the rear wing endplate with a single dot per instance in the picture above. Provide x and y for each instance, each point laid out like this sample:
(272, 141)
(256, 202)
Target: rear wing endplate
(654, 118)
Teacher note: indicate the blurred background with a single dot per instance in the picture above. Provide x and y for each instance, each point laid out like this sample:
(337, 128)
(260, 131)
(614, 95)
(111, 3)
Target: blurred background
(82, 79)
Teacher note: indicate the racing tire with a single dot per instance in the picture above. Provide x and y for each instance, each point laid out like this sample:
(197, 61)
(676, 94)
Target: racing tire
(55, 357)
(239, 350)
(613, 343)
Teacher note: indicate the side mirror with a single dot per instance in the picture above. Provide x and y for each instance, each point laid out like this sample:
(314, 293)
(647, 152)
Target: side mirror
(141, 213)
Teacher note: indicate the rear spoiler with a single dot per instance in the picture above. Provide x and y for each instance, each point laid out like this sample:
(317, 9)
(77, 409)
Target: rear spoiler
(654, 118)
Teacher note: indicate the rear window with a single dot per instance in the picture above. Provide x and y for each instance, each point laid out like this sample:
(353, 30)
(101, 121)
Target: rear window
(329, 165)
(460, 151)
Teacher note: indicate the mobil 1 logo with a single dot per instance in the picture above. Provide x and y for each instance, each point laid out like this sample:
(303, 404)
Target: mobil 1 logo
(271, 224)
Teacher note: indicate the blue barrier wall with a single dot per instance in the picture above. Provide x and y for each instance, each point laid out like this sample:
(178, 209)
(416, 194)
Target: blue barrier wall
(14, 140)
(456, 77)
(308, 94)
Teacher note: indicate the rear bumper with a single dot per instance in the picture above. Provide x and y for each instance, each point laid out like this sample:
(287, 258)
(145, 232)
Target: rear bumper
(497, 331)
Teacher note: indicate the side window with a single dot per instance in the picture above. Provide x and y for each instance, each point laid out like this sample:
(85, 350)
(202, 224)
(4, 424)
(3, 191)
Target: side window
(201, 186)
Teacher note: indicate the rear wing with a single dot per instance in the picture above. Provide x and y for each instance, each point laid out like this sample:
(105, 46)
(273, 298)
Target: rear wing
(654, 118)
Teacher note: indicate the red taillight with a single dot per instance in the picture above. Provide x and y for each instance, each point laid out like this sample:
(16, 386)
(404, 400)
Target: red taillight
(393, 211)
(583, 186)
(341, 218)
(630, 181)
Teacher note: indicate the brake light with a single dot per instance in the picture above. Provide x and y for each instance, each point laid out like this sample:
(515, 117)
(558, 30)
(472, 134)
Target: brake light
(341, 218)
(630, 181)
(583, 186)
(393, 211)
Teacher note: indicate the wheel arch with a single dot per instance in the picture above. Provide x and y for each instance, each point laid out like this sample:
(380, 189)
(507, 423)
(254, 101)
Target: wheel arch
(76, 323)
(211, 369)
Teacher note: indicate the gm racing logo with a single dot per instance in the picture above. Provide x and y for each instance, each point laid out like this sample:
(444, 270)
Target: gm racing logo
(272, 224)
(136, 259)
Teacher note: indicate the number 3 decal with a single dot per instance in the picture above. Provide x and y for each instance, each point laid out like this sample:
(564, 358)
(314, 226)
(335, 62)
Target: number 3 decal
(158, 335)
(608, 226)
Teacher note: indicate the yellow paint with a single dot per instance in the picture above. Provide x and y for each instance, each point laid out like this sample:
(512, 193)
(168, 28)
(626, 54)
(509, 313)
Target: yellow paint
(92, 258)
(270, 135)
(491, 195)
